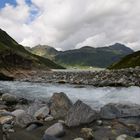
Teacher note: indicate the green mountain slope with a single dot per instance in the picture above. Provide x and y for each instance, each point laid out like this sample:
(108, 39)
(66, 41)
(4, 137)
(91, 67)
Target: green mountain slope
(85, 56)
(131, 60)
(45, 51)
(13, 55)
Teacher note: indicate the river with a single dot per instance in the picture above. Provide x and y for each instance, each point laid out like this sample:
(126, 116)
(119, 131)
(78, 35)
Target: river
(95, 97)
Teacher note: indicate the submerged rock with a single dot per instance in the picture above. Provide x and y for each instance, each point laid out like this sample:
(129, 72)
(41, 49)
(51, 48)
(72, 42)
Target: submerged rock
(79, 114)
(60, 104)
(9, 98)
(116, 110)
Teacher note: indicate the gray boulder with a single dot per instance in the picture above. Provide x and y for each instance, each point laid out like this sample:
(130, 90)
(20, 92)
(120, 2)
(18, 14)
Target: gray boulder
(79, 114)
(115, 110)
(22, 118)
(59, 105)
(56, 130)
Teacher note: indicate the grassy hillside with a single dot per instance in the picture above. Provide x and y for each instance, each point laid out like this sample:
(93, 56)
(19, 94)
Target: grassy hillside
(131, 60)
(45, 51)
(13, 55)
(85, 56)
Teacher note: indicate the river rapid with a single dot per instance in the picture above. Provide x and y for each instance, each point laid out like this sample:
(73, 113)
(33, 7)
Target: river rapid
(93, 96)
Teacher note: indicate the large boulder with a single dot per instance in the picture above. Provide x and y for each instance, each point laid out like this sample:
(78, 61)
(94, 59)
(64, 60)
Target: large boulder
(9, 98)
(56, 130)
(22, 118)
(42, 113)
(116, 110)
(79, 114)
(59, 105)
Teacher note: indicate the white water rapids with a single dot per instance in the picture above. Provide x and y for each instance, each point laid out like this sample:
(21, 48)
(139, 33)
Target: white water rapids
(95, 97)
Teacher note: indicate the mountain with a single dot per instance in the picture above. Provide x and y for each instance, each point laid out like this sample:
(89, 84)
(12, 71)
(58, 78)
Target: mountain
(85, 56)
(15, 56)
(45, 51)
(131, 60)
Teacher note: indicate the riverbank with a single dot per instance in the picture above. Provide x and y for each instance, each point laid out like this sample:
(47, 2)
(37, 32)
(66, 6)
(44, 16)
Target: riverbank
(59, 118)
(115, 78)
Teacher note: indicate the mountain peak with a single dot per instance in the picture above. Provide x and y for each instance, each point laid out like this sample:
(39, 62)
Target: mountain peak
(87, 47)
(121, 47)
(6, 39)
(118, 45)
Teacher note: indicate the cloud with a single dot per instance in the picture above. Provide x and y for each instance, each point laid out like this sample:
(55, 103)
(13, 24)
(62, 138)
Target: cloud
(69, 24)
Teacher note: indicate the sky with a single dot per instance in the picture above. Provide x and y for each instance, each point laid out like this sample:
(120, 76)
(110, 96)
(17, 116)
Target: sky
(70, 24)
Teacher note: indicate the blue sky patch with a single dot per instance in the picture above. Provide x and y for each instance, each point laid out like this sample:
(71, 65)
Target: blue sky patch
(3, 2)
(12, 2)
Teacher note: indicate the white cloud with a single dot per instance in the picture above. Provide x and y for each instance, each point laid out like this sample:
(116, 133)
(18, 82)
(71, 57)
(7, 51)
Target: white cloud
(68, 24)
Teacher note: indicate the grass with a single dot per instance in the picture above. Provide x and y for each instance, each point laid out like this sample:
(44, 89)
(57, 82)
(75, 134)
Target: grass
(131, 60)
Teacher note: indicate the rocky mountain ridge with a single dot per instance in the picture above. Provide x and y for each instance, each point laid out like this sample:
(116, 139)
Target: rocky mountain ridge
(85, 56)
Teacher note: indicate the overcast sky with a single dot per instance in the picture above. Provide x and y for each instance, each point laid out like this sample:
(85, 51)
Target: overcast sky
(68, 24)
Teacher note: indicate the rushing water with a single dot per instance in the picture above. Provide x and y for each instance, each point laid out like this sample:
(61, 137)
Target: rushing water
(95, 97)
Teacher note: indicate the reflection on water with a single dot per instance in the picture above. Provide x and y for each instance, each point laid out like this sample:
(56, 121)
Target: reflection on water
(95, 97)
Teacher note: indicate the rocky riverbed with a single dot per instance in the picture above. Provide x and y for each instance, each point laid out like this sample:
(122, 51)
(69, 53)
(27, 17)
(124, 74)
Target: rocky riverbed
(123, 77)
(58, 118)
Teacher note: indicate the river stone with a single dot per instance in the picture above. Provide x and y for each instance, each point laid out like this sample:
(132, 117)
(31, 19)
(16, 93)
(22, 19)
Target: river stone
(79, 114)
(49, 118)
(18, 112)
(56, 130)
(23, 101)
(34, 107)
(124, 137)
(3, 112)
(42, 113)
(3, 107)
(47, 137)
(78, 139)
(115, 110)
(33, 125)
(22, 118)
(87, 133)
(9, 98)
(6, 119)
(60, 104)
(61, 121)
